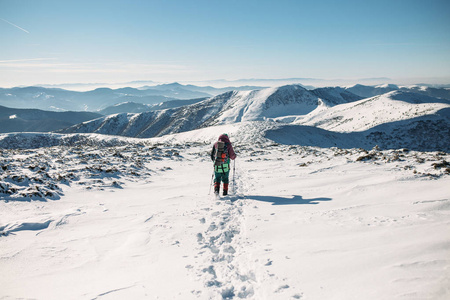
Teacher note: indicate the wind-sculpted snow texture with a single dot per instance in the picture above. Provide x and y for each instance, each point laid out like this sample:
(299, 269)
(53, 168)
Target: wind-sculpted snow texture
(90, 162)
(133, 219)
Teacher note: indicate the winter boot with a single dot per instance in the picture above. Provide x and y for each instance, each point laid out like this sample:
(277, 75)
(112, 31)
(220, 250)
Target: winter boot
(216, 187)
(225, 189)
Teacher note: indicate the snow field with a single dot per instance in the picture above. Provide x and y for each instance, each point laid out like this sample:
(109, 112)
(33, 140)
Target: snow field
(125, 244)
(331, 230)
(303, 223)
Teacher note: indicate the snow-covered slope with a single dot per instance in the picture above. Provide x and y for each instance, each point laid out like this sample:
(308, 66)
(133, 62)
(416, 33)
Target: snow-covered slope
(132, 219)
(370, 91)
(226, 108)
(125, 107)
(335, 95)
(391, 121)
(368, 113)
(267, 103)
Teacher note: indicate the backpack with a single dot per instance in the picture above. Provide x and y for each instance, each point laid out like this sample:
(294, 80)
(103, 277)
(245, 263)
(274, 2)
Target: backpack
(221, 162)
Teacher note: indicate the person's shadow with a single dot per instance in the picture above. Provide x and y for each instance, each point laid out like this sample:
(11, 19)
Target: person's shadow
(295, 199)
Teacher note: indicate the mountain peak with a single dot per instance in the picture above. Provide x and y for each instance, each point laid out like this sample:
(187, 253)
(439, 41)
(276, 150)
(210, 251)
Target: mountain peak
(388, 86)
(335, 95)
(292, 87)
(173, 84)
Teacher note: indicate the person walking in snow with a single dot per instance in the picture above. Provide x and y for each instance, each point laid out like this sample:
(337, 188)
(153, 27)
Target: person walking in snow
(221, 154)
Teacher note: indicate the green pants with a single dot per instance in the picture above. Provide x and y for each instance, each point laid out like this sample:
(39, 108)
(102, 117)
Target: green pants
(221, 177)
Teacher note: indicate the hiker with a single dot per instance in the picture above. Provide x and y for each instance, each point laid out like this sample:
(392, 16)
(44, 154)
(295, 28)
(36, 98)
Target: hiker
(221, 154)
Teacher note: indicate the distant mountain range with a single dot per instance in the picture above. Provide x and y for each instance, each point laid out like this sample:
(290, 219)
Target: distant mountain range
(63, 100)
(370, 91)
(207, 91)
(35, 120)
(133, 107)
(99, 99)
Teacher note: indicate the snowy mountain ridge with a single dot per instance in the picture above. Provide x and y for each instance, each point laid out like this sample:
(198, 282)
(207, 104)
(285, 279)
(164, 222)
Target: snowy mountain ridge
(133, 107)
(395, 118)
(35, 120)
(230, 107)
(55, 99)
(367, 113)
(366, 91)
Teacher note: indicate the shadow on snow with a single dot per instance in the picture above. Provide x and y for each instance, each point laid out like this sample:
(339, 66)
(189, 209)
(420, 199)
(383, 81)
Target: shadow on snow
(296, 199)
(425, 133)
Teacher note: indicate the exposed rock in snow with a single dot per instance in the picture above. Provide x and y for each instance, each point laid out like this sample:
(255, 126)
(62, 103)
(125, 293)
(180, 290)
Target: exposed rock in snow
(94, 162)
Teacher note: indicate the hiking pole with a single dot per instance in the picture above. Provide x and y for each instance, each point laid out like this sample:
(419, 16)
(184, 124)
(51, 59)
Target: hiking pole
(234, 173)
(210, 185)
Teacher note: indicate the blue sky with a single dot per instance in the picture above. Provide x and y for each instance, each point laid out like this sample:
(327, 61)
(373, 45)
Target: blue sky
(115, 41)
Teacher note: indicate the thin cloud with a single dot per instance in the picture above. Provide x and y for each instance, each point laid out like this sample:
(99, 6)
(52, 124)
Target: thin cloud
(53, 65)
(24, 60)
(24, 30)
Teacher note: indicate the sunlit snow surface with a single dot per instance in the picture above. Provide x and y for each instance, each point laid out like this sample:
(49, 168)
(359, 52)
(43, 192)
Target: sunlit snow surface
(91, 217)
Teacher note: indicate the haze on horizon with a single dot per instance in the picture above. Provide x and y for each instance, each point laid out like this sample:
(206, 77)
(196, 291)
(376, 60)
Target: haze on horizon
(56, 42)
